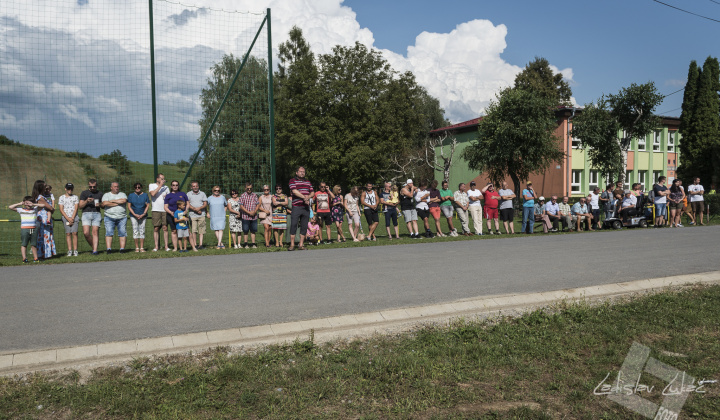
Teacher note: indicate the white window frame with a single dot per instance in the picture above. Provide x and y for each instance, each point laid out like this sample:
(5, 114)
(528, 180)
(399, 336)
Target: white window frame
(656, 175)
(657, 136)
(641, 144)
(593, 179)
(576, 182)
(575, 143)
(642, 177)
(671, 141)
(628, 177)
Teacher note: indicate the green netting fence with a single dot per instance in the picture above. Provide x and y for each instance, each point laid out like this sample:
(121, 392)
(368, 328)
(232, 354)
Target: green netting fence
(77, 99)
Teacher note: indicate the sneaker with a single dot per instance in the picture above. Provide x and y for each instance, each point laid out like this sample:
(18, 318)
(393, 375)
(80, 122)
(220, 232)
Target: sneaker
(154, 249)
(679, 225)
(25, 261)
(480, 234)
(69, 254)
(122, 250)
(167, 249)
(490, 233)
(553, 230)
(254, 246)
(75, 253)
(109, 251)
(246, 246)
(692, 223)
(95, 253)
(36, 260)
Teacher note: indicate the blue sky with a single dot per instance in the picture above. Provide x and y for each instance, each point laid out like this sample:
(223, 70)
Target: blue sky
(608, 44)
(74, 74)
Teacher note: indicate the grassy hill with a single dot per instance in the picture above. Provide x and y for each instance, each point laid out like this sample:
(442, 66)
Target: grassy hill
(21, 165)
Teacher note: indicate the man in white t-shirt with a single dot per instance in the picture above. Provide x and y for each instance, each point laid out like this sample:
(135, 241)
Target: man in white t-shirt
(697, 202)
(475, 207)
(157, 193)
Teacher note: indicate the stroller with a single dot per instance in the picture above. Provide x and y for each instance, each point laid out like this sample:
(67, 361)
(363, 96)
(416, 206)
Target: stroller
(637, 218)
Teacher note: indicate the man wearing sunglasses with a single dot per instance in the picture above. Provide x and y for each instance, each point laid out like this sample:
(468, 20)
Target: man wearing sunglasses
(90, 205)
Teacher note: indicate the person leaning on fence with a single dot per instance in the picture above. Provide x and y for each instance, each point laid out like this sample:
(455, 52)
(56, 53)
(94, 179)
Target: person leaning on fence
(68, 205)
(422, 200)
(461, 204)
(407, 206)
(581, 213)
(138, 205)
(115, 216)
(446, 206)
(157, 192)
(491, 198)
(434, 207)
(197, 205)
(28, 234)
(697, 202)
(565, 214)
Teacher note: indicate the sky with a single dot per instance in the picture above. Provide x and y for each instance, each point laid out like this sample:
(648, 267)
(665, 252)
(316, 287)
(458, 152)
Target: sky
(61, 61)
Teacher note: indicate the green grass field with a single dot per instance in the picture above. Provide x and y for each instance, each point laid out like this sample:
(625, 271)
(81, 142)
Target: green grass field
(543, 365)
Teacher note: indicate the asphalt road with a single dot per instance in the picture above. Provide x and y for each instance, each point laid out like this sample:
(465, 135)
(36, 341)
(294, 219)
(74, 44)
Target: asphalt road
(77, 304)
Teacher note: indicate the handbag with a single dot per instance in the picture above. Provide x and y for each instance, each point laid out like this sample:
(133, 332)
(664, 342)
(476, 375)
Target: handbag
(262, 215)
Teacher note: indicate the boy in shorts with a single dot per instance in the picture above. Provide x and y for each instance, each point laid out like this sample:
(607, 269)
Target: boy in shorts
(181, 224)
(28, 235)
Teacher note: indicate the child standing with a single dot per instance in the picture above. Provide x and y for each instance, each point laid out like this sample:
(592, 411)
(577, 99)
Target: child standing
(28, 213)
(181, 222)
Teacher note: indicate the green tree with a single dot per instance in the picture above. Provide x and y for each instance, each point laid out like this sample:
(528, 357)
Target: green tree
(515, 138)
(117, 161)
(631, 109)
(538, 77)
(706, 122)
(238, 148)
(598, 131)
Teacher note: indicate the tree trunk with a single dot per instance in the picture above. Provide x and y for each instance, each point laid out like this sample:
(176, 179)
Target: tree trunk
(516, 183)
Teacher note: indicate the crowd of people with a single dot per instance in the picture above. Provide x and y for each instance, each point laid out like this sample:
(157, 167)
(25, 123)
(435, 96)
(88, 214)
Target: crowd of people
(181, 218)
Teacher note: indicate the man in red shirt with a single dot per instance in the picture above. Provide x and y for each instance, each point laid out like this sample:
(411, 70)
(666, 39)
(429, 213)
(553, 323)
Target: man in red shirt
(323, 198)
(491, 198)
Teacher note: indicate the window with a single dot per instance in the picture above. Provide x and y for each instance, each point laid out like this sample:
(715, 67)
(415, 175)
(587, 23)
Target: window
(656, 141)
(641, 143)
(575, 143)
(642, 176)
(656, 175)
(593, 178)
(576, 181)
(671, 141)
(628, 177)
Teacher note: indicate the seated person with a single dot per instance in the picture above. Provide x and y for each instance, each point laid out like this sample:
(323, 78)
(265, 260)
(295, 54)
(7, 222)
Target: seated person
(552, 211)
(580, 213)
(565, 213)
(540, 215)
(628, 206)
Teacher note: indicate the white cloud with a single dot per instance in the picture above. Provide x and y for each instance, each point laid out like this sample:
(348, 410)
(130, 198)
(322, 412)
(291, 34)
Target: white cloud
(102, 45)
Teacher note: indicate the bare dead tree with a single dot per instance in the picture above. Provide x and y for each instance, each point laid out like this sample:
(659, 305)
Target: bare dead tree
(404, 166)
(439, 161)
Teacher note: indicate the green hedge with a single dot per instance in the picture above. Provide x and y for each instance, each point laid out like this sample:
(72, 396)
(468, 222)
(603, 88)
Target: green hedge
(713, 200)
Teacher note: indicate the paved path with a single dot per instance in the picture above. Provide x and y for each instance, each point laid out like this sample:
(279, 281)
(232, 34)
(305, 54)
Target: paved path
(78, 304)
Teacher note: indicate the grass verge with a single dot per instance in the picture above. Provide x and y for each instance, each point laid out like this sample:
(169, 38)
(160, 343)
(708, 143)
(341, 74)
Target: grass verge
(544, 364)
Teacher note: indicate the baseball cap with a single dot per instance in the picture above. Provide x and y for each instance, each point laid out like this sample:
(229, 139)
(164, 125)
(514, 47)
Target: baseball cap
(472, 183)
(541, 198)
(409, 181)
(628, 192)
(529, 183)
(69, 186)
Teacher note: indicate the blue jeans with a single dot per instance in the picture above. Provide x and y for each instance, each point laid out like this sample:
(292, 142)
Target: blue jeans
(528, 219)
(111, 224)
(660, 209)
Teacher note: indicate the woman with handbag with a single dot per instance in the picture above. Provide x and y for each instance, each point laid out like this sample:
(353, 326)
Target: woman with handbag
(265, 214)
(279, 215)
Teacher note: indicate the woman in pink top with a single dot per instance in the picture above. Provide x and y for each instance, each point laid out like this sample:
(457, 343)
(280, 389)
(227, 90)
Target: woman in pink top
(266, 204)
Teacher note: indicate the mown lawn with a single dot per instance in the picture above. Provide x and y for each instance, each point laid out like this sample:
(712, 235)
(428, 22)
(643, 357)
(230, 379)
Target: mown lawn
(545, 364)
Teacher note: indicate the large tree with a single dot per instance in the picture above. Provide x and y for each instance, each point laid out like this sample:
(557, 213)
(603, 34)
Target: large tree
(629, 111)
(346, 115)
(700, 123)
(538, 77)
(515, 138)
(237, 147)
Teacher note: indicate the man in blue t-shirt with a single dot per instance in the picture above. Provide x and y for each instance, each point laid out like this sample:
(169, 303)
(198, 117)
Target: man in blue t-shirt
(528, 220)
(661, 193)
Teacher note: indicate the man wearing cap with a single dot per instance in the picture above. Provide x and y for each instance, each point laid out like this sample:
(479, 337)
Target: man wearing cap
(540, 216)
(528, 220)
(580, 212)
(461, 201)
(628, 205)
(69, 205)
(475, 208)
(407, 206)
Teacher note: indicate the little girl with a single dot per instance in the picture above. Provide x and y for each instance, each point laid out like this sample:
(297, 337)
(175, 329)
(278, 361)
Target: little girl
(313, 231)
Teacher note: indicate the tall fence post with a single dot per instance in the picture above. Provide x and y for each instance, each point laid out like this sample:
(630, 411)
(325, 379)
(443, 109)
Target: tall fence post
(152, 87)
(271, 102)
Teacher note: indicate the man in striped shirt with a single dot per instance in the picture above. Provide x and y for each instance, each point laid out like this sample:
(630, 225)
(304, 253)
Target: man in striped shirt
(301, 190)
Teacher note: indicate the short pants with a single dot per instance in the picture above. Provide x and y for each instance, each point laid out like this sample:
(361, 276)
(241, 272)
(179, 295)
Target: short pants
(159, 219)
(435, 211)
(507, 215)
(249, 226)
(28, 237)
(410, 215)
(447, 211)
(491, 213)
(91, 218)
(371, 216)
